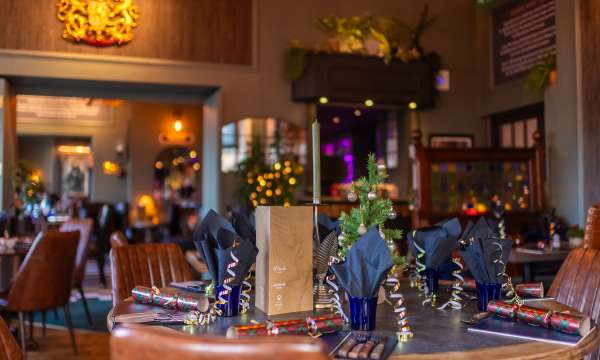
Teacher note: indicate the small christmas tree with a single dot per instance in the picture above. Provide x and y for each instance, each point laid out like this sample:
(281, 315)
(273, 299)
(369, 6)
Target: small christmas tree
(373, 211)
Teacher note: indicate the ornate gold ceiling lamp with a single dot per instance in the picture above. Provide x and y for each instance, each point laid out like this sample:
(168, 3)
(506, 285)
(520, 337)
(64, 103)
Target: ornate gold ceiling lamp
(98, 22)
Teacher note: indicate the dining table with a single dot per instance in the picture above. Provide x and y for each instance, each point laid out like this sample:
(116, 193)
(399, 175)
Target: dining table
(529, 256)
(438, 334)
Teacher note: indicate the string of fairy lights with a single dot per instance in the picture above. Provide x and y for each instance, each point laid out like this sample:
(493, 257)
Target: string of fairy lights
(275, 187)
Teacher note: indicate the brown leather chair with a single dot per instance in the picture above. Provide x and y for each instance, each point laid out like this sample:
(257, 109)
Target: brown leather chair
(45, 279)
(591, 238)
(577, 284)
(139, 342)
(9, 349)
(146, 265)
(84, 227)
(117, 239)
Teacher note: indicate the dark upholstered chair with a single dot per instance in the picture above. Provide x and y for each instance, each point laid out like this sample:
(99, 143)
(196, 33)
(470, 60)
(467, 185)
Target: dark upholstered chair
(141, 342)
(84, 227)
(146, 265)
(9, 349)
(44, 280)
(577, 284)
(591, 238)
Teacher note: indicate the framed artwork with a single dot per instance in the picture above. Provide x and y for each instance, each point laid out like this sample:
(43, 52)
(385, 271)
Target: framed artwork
(451, 141)
(75, 176)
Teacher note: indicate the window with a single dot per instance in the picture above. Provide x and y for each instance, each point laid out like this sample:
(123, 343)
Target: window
(514, 129)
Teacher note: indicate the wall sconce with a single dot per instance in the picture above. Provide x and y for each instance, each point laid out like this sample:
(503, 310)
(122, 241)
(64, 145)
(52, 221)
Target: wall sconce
(178, 124)
(111, 168)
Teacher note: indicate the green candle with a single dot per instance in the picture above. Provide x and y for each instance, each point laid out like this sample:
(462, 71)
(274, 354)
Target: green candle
(316, 156)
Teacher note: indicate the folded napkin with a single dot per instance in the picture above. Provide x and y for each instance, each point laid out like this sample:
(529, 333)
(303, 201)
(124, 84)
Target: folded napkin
(484, 252)
(327, 226)
(215, 240)
(366, 266)
(243, 225)
(438, 241)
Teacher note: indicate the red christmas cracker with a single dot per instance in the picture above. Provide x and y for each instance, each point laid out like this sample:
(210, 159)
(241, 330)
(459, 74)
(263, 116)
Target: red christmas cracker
(313, 326)
(534, 316)
(168, 299)
(570, 324)
(503, 309)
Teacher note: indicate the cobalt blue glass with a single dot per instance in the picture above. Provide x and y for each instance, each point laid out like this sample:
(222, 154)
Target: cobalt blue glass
(432, 277)
(362, 313)
(487, 292)
(232, 307)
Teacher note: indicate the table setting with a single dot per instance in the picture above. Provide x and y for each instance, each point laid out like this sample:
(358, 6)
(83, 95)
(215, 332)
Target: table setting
(346, 283)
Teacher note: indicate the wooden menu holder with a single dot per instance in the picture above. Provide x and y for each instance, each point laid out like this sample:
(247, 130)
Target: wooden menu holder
(284, 275)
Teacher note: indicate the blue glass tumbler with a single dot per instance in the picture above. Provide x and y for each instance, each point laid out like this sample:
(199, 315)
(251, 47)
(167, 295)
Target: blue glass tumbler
(432, 277)
(362, 313)
(232, 307)
(487, 292)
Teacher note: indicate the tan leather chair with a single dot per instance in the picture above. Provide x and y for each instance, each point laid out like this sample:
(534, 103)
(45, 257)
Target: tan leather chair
(45, 279)
(9, 349)
(84, 226)
(591, 238)
(117, 239)
(144, 342)
(146, 265)
(577, 284)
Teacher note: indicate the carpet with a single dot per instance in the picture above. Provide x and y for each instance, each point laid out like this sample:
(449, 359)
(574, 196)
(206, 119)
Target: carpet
(98, 310)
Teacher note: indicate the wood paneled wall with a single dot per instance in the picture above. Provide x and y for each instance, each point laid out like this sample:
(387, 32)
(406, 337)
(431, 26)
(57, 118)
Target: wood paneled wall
(589, 13)
(214, 31)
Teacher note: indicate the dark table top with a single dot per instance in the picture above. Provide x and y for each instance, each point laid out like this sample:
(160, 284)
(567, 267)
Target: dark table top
(435, 331)
(530, 254)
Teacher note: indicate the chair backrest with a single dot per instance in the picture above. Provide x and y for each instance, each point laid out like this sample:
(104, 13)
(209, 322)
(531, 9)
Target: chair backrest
(577, 284)
(140, 342)
(146, 265)
(591, 238)
(9, 349)
(84, 226)
(117, 239)
(45, 278)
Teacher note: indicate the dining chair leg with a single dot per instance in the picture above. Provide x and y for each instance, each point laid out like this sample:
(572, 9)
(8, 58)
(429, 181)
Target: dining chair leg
(70, 326)
(22, 333)
(43, 322)
(85, 304)
(31, 325)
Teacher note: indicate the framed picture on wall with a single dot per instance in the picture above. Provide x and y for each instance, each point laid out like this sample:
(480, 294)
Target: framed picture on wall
(451, 141)
(75, 176)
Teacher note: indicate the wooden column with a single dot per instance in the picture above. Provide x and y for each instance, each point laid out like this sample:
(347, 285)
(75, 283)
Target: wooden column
(8, 144)
(589, 22)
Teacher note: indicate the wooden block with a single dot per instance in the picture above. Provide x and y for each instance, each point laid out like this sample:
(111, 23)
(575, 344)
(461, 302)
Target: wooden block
(284, 276)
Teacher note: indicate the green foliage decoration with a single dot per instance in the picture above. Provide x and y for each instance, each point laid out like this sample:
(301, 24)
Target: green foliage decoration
(370, 213)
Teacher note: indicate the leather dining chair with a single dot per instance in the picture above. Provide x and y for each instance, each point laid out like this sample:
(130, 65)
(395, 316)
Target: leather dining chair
(84, 226)
(117, 239)
(144, 342)
(577, 284)
(591, 238)
(9, 349)
(146, 265)
(44, 280)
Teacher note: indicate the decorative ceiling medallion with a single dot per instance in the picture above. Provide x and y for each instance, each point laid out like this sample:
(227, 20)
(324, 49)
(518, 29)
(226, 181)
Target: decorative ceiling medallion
(98, 22)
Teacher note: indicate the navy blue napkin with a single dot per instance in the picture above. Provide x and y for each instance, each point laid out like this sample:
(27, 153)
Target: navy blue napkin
(367, 264)
(438, 241)
(243, 226)
(214, 239)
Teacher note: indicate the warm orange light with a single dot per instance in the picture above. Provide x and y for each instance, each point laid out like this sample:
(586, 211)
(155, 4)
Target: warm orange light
(110, 168)
(74, 149)
(177, 126)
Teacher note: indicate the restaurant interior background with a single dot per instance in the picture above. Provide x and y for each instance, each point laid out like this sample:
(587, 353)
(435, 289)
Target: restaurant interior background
(203, 88)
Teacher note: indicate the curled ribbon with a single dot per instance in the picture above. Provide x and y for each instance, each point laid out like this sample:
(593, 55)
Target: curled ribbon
(245, 294)
(421, 283)
(334, 290)
(455, 301)
(404, 332)
(507, 285)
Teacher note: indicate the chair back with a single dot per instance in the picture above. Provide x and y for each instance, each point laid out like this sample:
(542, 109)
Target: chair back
(84, 226)
(577, 284)
(9, 349)
(135, 341)
(45, 278)
(117, 239)
(591, 238)
(146, 265)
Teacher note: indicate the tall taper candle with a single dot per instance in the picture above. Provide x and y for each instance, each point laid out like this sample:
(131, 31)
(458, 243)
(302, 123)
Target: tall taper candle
(316, 156)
